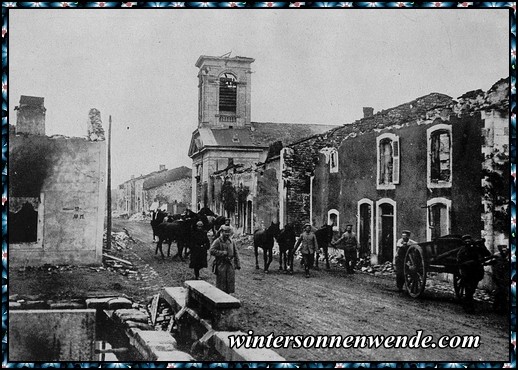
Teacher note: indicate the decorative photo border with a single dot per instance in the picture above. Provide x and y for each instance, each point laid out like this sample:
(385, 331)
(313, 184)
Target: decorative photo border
(512, 222)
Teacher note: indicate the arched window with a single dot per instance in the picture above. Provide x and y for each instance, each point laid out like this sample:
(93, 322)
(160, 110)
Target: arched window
(227, 93)
(438, 218)
(388, 161)
(439, 156)
(333, 218)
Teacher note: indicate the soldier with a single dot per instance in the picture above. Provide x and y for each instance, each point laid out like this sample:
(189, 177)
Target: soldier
(309, 245)
(350, 247)
(401, 248)
(199, 245)
(227, 260)
(471, 267)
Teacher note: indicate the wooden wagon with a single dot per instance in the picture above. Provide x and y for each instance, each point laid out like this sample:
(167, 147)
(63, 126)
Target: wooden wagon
(439, 255)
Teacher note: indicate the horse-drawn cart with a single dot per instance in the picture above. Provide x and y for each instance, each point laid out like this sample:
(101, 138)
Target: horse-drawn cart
(439, 255)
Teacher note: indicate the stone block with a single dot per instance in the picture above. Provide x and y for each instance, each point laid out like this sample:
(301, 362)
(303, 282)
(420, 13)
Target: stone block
(150, 342)
(51, 335)
(138, 325)
(98, 303)
(15, 305)
(119, 303)
(221, 343)
(124, 314)
(35, 305)
(210, 296)
(66, 306)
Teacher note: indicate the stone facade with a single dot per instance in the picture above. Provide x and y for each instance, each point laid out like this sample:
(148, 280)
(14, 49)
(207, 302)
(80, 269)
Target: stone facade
(177, 194)
(57, 197)
(474, 131)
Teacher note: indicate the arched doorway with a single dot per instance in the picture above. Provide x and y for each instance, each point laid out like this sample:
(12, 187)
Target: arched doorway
(386, 229)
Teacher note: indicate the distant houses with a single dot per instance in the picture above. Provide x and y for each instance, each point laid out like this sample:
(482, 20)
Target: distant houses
(169, 190)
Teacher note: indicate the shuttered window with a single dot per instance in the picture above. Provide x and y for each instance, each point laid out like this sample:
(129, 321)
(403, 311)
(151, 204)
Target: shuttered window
(389, 162)
(227, 93)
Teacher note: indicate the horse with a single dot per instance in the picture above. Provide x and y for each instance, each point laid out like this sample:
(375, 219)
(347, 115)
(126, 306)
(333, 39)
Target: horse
(176, 230)
(211, 221)
(324, 236)
(264, 239)
(286, 240)
(158, 218)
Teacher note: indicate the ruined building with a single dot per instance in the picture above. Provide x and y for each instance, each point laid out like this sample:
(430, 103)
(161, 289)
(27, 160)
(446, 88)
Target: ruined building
(226, 137)
(434, 165)
(57, 191)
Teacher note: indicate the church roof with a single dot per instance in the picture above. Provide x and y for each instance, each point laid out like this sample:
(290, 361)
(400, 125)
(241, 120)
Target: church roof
(259, 135)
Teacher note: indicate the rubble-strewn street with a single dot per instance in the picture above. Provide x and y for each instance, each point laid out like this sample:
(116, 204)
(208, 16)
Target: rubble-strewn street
(327, 303)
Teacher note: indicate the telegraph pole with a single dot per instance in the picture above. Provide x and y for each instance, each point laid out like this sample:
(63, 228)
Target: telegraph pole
(108, 190)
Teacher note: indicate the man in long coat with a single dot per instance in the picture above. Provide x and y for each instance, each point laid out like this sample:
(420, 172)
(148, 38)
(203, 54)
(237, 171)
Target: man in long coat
(199, 245)
(471, 267)
(227, 260)
(350, 247)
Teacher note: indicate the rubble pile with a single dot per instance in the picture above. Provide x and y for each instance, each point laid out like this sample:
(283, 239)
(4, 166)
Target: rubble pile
(163, 317)
(384, 269)
(111, 262)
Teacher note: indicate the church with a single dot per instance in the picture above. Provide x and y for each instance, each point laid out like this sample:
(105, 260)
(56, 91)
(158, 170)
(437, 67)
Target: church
(226, 137)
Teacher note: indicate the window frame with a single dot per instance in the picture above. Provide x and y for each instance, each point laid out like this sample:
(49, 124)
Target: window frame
(329, 213)
(396, 161)
(39, 229)
(429, 135)
(370, 203)
(430, 203)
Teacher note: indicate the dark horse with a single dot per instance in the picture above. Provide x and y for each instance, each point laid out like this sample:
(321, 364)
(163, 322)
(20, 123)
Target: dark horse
(264, 239)
(324, 236)
(158, 218)
(177, 230)
(286, 240)
(211, 221)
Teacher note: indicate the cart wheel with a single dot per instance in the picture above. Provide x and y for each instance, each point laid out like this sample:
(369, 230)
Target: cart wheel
(458, 286)
(415, 271)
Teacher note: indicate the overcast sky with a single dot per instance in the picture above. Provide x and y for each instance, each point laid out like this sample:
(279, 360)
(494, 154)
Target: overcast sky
(311, 66)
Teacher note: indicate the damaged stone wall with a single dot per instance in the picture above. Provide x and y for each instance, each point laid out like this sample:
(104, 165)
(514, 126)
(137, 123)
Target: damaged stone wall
(178, 191)
(356, 179)
(72, 196)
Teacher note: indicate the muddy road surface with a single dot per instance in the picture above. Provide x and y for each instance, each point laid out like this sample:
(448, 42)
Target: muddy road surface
(334, 303)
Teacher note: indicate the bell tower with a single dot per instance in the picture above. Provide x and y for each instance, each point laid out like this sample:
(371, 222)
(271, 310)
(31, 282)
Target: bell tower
(224, 87)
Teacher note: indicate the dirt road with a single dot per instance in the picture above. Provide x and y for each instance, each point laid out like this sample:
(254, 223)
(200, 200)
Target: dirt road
(334, 303)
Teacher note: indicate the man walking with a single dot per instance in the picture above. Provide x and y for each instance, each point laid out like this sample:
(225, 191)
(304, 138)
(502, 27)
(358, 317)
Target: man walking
(308, 247)
(199, 245)
(471, 268)
(350, 247)
(227, 260)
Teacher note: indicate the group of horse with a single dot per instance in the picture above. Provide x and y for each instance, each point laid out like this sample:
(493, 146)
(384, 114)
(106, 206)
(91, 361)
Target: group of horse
(286, 239)
(179, 228)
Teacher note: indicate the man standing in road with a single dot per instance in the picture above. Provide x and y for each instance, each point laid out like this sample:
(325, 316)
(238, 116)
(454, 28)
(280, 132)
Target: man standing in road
(350, 247)
(199, 245)
(471, 268)
(401, 247)
(309, 246)
(227, 260)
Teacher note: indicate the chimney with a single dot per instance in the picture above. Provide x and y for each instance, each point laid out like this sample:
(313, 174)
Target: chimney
(368, 112)
(162, 167)
(30, 116)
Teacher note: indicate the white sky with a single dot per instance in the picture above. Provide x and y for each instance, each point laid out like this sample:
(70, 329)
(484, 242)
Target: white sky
(311, 66)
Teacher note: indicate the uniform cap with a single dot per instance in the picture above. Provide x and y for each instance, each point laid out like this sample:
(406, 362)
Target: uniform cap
(224, 228)
(307, 224)
(199, 223)
(406, 232)
(466, 237)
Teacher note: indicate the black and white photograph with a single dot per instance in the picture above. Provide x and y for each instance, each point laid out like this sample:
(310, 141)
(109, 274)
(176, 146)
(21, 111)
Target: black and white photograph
(258, 185)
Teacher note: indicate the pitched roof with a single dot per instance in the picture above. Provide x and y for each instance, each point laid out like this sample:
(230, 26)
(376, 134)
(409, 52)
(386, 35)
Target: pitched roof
(164, 177)
(259, 135)
(266, 133)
